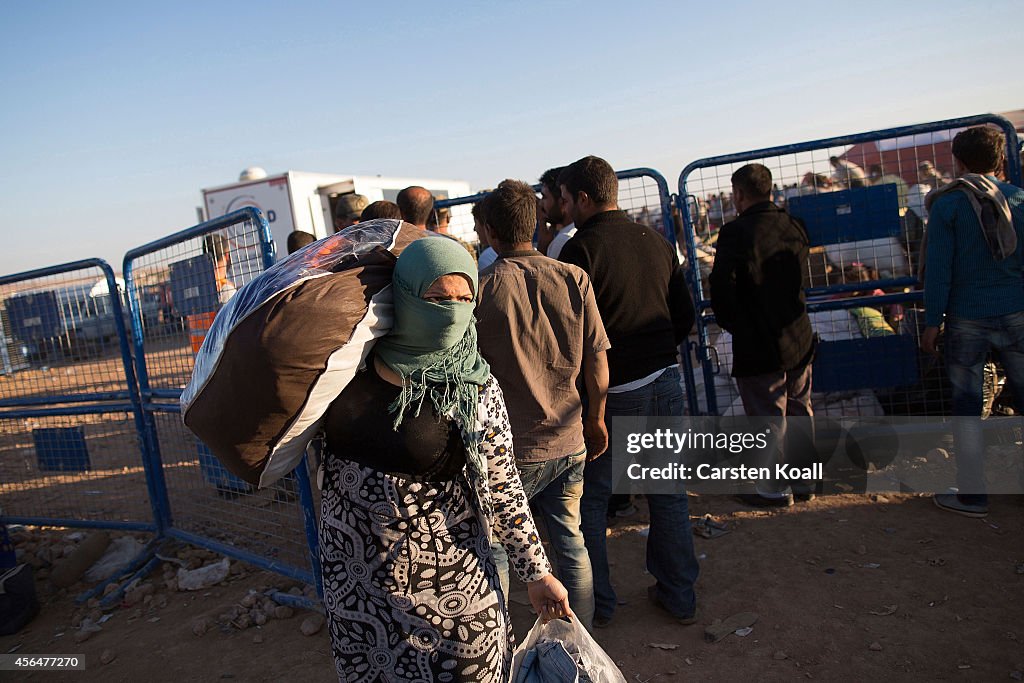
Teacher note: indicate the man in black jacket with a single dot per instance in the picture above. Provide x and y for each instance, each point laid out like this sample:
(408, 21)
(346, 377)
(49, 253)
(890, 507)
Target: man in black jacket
(757, 292)
(647, 311)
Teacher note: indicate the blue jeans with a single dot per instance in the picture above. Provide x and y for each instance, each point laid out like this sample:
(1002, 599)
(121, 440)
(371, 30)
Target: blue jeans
(554, 488)
(967, 347)
(670, 556)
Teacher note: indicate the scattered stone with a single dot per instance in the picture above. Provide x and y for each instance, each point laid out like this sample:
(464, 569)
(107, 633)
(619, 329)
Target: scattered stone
(296, 591)
(311, 625)
(862, 549)
(258, 638)
(259, 617)
(160, 601)
(83, 634)
(1017, 675)
(721, 628)
(92, 603)
(248, 601)
(201, 625)
(779, 655)
(242, 621)
(885, 610)
(283, 612)
(963, 666)
(663, 646)
(744, 632)
(107, 656)
(875, 647)
(237, 569)
(111, 588)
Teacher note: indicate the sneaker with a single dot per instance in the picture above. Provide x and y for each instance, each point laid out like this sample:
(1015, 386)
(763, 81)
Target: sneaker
(652, 594)
(952, 503)
(758, 501)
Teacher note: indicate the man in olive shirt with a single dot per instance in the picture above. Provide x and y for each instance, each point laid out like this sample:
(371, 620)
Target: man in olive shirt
(539, 328)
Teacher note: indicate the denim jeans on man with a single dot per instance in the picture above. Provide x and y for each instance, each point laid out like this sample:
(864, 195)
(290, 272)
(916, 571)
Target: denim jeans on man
(967, 346)
(670, 555)
(554, 488)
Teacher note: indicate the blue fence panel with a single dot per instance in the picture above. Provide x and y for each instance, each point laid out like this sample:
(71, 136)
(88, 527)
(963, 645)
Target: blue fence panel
(862, 199)
(182, 281)
(70, 411)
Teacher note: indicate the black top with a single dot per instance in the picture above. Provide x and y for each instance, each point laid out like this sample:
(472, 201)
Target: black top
(359, 428)
(757, 290)
(640, 291)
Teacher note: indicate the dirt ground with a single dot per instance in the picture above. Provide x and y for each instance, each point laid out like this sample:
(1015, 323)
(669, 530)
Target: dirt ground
(846, 588)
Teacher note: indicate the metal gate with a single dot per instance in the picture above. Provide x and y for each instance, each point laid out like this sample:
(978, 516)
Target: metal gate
(70, 411)
(643, 194)
(175, 287)
(866, 231)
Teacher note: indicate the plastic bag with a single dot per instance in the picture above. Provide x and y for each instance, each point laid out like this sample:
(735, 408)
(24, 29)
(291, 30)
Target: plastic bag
(598, 666)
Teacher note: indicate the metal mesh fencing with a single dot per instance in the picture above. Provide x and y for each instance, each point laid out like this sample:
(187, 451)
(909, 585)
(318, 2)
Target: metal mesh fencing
(862, 198)
(643, 195)
(70, 452)
(73, 470)
(189, 276)
(62, 336)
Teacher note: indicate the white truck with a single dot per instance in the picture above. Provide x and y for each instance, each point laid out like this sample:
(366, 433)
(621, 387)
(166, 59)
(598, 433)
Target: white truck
(297, 200)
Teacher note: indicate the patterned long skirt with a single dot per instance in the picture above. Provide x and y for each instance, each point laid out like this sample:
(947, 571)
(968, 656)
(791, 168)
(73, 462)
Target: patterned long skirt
(409, 585)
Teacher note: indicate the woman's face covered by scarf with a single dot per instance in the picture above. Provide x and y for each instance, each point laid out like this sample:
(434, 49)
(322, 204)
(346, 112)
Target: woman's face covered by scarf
(435, 286)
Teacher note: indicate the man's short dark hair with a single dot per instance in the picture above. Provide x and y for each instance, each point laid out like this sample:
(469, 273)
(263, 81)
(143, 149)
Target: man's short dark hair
(512, 212)
(297, 239)
(415, 203)
(550, 180)
(592, 175)
(382, 209)
(480, 209)
(754, 180)
(980, 149)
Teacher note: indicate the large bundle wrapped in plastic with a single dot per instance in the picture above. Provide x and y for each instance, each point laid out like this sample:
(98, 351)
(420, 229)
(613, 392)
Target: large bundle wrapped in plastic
(286, 345)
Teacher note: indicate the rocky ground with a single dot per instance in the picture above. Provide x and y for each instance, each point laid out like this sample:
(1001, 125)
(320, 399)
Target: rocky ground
(844, 588)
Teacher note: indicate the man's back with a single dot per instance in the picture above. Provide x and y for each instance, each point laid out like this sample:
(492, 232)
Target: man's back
(640, 292)
(536, 321)
(962, 277)
(757, 289)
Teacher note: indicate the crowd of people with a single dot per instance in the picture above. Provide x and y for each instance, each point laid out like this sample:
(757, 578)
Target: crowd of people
(483, 419)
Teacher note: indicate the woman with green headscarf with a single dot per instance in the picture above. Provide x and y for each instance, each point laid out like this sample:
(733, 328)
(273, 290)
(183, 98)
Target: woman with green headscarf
(419, 475)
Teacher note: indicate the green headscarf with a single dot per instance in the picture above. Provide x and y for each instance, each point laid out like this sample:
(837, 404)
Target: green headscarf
(432, 345)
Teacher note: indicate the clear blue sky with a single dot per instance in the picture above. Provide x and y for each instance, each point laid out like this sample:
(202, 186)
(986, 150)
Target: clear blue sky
(115, 114)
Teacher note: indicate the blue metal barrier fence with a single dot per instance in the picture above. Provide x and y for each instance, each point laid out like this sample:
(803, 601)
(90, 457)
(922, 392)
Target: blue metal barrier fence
(190, 275)
(70, 411)
(862, 199)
